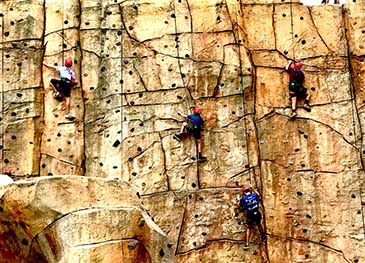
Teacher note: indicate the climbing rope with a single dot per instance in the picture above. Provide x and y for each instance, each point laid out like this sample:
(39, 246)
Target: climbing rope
(292, 27)
(63, 33)
(2, 143)
(188, 98)
(236, 36)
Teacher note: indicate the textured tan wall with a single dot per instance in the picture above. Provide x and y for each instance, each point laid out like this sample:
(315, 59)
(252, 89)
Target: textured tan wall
(139, 62)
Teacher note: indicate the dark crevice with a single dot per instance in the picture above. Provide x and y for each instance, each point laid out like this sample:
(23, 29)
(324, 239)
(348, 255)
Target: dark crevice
(164, 164)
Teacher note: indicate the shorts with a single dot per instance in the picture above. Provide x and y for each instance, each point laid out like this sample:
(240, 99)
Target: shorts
(297, 90)
(63, 86)
(195, 130)
(253, 218)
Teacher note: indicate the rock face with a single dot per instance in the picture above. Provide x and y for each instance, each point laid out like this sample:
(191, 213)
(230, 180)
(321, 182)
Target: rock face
(137, 64)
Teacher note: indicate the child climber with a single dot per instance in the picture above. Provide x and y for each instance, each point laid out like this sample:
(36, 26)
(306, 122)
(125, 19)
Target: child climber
(194, 127)
(250, 203)
(296, 88)
(62, 87)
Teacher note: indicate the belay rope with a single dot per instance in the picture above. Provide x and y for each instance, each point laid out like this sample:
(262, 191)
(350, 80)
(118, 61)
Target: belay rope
(292, 27)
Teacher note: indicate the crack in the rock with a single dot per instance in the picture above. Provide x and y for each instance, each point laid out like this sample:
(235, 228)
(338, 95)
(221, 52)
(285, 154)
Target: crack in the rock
(339, 251)
(139, 76)
(317, 31)
(60, 160)
(164, 164)
(181, 225)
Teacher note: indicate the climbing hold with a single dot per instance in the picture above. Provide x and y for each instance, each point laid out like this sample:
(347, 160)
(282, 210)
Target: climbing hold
(132, 244)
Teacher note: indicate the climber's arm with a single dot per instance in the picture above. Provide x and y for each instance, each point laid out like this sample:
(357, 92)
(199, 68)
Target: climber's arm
(182, 114)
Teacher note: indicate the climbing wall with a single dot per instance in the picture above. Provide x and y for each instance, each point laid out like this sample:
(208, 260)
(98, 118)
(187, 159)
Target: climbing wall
(21, 86)
(140, 62)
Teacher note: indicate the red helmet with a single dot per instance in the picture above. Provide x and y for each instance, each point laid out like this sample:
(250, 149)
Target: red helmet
(246, 187)
(68, 62)
(7, 171)
(197, 110)
(297, 65)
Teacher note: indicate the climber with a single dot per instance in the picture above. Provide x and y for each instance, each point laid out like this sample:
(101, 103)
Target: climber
(250, 203)
(296, 88)
(193, 127)
(62, 87)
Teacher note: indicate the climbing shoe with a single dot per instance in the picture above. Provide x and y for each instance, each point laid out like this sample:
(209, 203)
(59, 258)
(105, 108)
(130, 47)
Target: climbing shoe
(245, 247)
(292, 115)
(70, 116)
(176, 137)
(307, 107)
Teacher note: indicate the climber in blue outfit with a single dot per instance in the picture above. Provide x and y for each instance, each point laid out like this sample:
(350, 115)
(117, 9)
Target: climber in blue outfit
(250, 203)
(193, 126)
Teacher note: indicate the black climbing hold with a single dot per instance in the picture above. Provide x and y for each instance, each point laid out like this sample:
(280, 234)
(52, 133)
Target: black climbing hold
(193, 185)
(308, 216)
(305, 136)
(353, 196)
(25, 242)
(65, 22)
(6, 34)
(313, 88)
(173, 16)
(116, 143)
(59, 150)
(285, 52)
(169, 245)
(101, 164)
(130, 159)
(162, 253)
(299, 193)
(284, 15)
(305, 230)
(139, 149)
(138, 195)
(132, 244)
(301, 18)
(43, 165)
(13, 137)
(204, 234)
(58, 134)
(201, 198)
(303, 42)
(13, 114)
(109, 13)
(1, 209)
(288, 179)
(134, 174)
(115, 167)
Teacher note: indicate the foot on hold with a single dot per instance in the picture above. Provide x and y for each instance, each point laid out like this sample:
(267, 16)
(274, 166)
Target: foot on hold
(176, 137)
(245, 247)
(70, 116)
(293, 114)
(307, 107)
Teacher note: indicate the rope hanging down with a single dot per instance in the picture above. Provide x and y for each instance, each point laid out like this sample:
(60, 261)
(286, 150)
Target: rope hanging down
(236, 36)
(292, 27)
(2, 143)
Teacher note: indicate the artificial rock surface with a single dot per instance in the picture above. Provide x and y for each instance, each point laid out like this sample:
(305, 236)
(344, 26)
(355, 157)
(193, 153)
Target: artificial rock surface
(138, 63)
